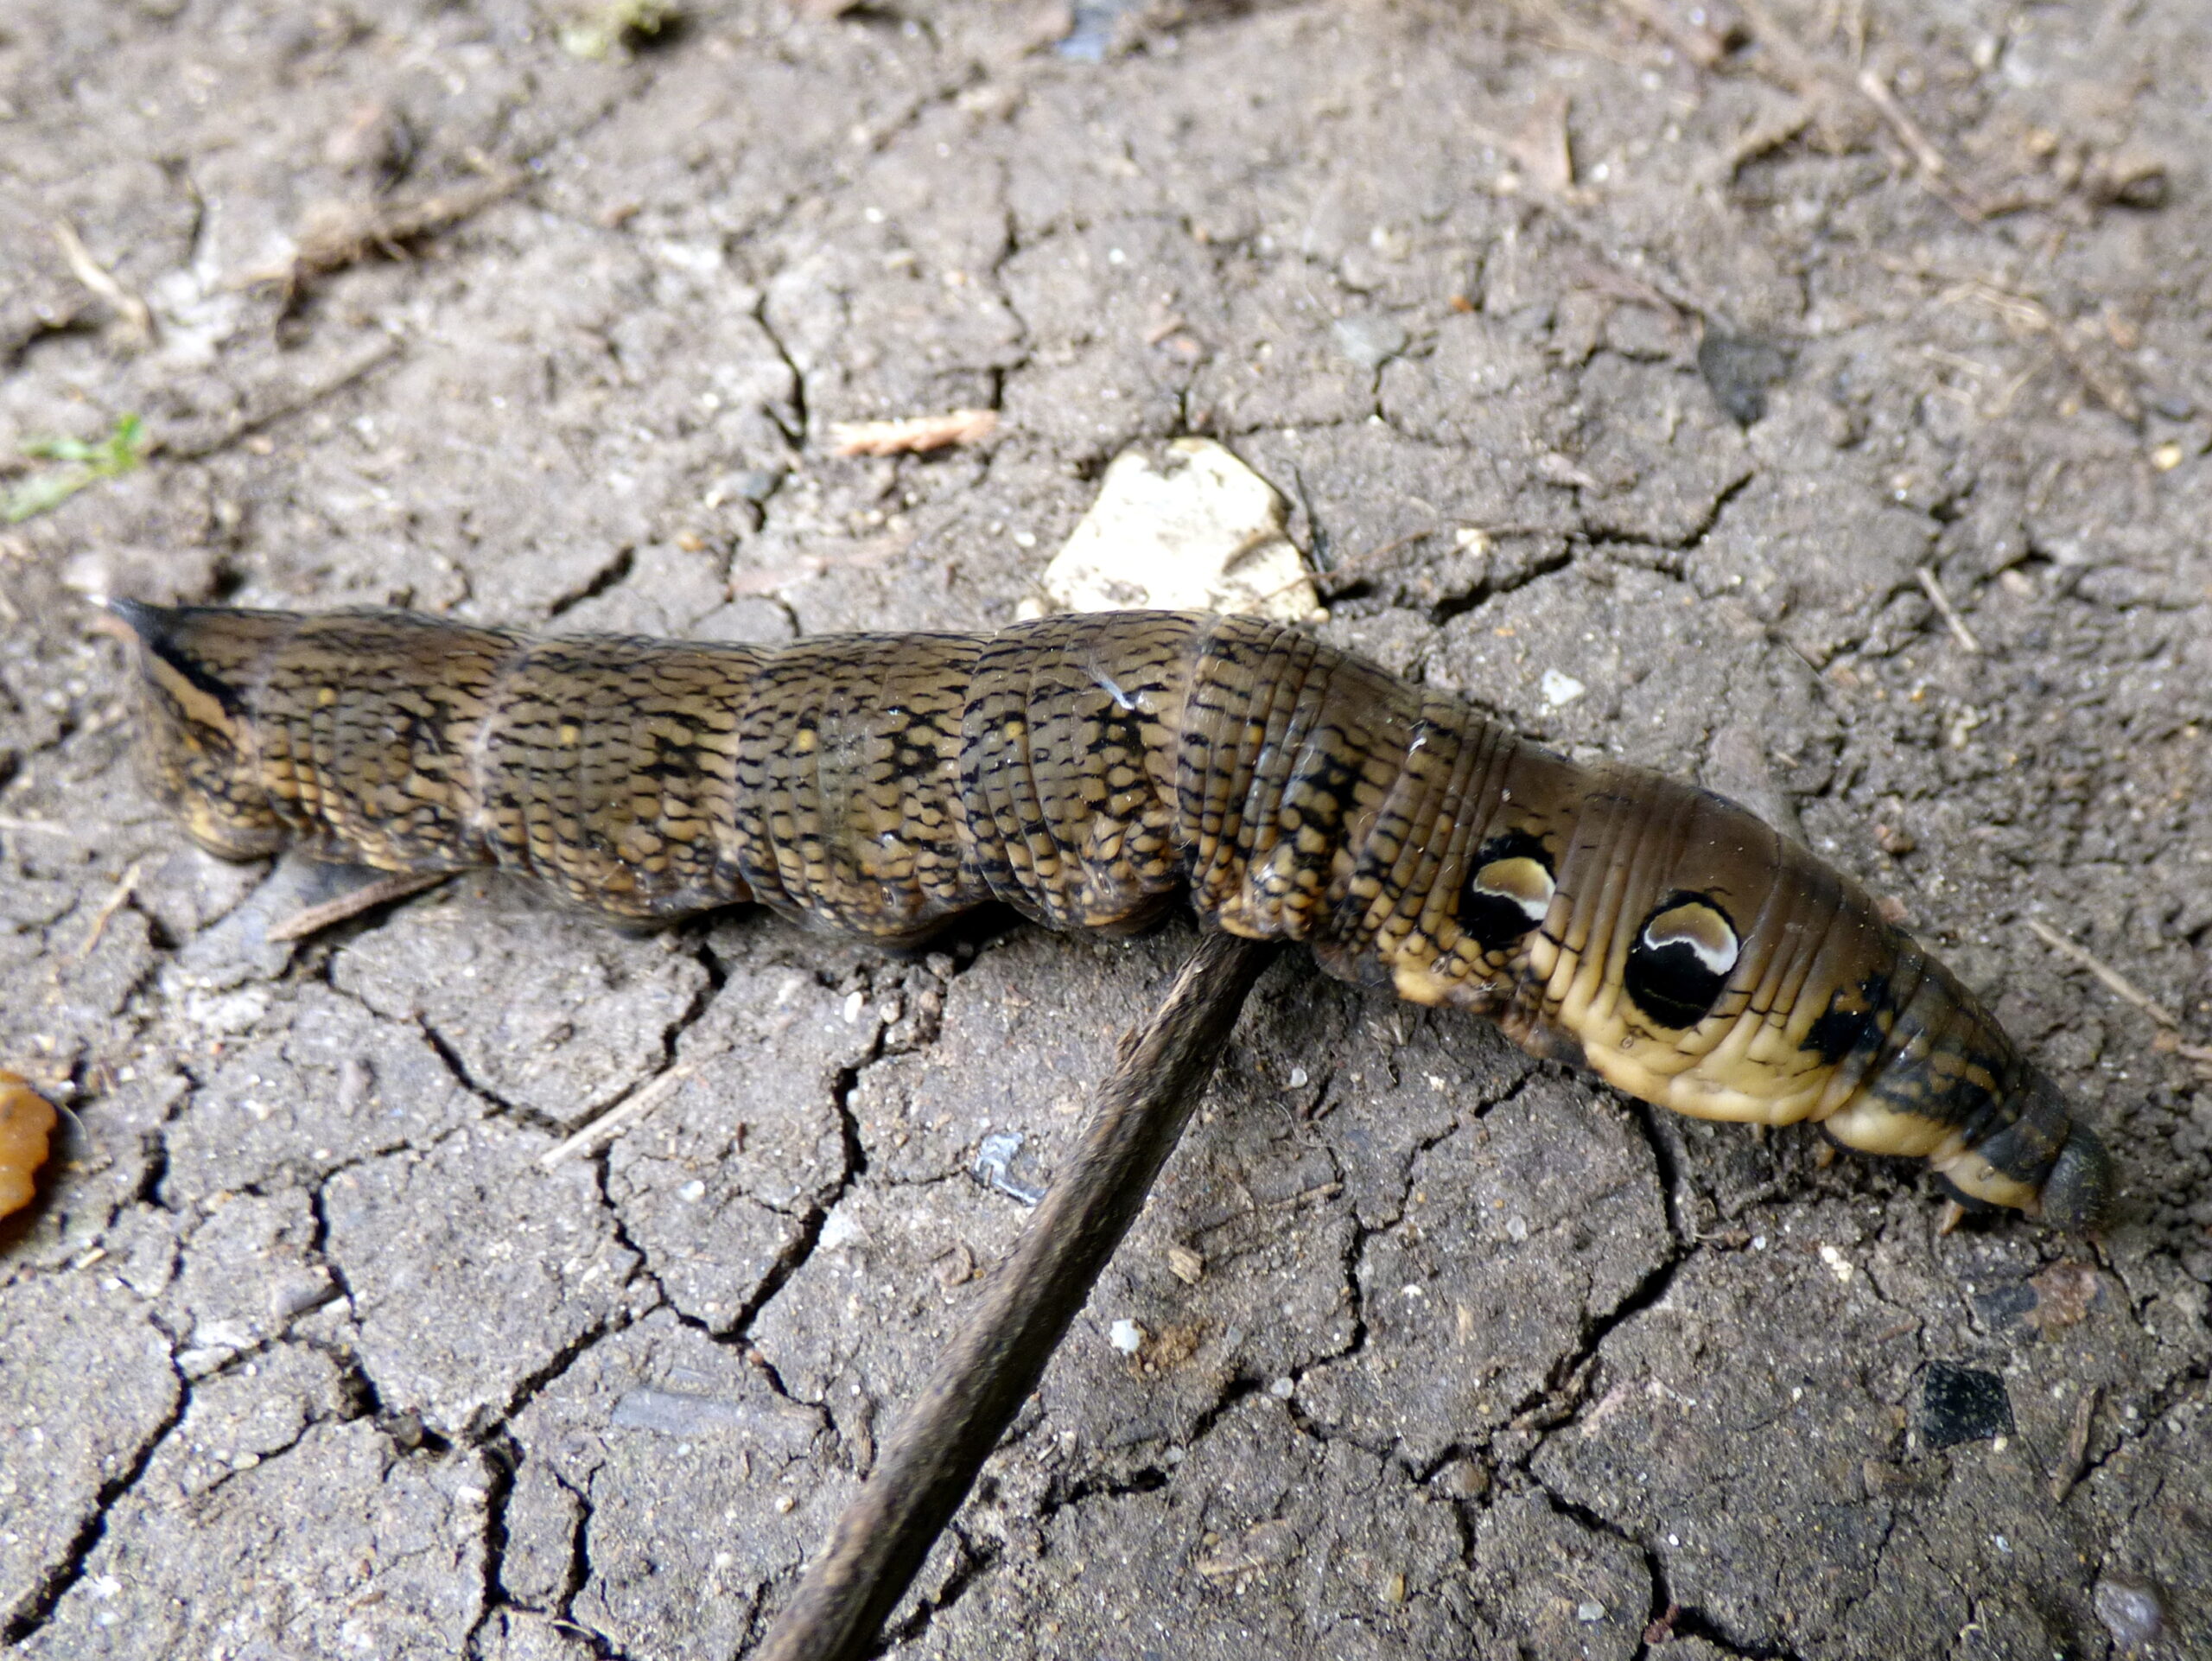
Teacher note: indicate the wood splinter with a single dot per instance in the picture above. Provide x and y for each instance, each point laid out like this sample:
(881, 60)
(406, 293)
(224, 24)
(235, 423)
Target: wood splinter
(929, 1463)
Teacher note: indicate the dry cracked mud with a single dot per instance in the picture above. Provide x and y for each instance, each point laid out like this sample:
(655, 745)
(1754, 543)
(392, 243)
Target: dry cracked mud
(1626, 363)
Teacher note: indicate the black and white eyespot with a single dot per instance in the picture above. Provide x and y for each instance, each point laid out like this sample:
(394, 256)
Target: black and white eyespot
(1682, 959)
(1509, 893)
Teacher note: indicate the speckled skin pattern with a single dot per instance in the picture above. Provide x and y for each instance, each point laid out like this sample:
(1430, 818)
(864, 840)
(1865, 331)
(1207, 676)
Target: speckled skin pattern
(1086, 769)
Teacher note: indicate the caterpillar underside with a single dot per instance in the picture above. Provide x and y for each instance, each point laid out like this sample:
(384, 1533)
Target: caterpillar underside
(1086, 770)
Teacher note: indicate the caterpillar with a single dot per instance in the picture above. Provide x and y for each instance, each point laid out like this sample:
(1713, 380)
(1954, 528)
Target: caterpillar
(1087, 769)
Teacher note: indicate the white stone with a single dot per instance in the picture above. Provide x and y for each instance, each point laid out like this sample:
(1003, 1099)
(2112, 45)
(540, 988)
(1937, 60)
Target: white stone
(1203, 532)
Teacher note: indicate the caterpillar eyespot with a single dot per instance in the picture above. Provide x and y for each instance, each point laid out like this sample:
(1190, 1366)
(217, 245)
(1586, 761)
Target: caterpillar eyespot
(1510, 891)
(1681, 960)
(1085, 770)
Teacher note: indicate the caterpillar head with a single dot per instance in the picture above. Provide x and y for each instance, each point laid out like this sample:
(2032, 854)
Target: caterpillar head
(196, 667)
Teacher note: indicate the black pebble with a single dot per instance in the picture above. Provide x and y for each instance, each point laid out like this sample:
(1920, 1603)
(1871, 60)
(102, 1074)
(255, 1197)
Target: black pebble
(1962, 1405)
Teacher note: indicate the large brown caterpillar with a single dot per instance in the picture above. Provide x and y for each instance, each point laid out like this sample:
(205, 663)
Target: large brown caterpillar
(1086, 769)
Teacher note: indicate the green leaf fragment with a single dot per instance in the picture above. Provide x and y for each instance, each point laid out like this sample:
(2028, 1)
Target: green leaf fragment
(81, 463)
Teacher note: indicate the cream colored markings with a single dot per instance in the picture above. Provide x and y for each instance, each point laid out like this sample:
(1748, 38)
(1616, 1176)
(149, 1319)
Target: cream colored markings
(196, 729)
(910, 761)
(1114, 832)
(1394, 849)
(909, 867)
(1616, 855)
(780, 803)
(1766, 1044)
(1221, 739)
(1440, 960)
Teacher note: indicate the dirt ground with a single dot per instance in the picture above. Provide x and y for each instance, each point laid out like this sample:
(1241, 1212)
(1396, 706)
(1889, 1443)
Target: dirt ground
(1626, 364)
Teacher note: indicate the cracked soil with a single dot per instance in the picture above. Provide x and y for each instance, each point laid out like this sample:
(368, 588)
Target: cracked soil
(1626, 363)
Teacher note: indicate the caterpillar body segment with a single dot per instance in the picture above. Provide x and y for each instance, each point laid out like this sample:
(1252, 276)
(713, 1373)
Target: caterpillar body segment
(1086, 769)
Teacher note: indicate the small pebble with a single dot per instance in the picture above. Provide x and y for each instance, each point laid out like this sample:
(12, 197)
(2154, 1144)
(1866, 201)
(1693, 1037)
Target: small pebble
(1126, 1336)
(2131, 1611)
(1559, 689)
(956, 1268)
(1463, 1479)
(1369, 339)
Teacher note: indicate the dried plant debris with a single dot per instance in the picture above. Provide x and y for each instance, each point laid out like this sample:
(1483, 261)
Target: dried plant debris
(1543, 148)
(1705, 34)
(134, 321)
(336, 234)
(26, 1121)
(77, 464)
(914, 435)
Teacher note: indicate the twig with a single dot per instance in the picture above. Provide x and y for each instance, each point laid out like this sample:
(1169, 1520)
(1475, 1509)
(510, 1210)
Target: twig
(2077, 1446)
(1815, 79)
(863, 1568)
(2104, 971)
(1930, 160)
(116, 898)
(1942, 604)
(618, 1118)
(2199, 1056)
(1357, 567)
(1254, 1207)
(2107, 384)
(338, 234)
(914, 435)
(313, 920)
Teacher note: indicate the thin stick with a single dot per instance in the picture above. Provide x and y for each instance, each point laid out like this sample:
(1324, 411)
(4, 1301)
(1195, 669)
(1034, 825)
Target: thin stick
(393, 885)
(2077, 1446)
(2104, 971)
(1933, 168)
(863, 1568)
(617, 1118)
(1942, 604)
(118, 897)
(101, 281)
